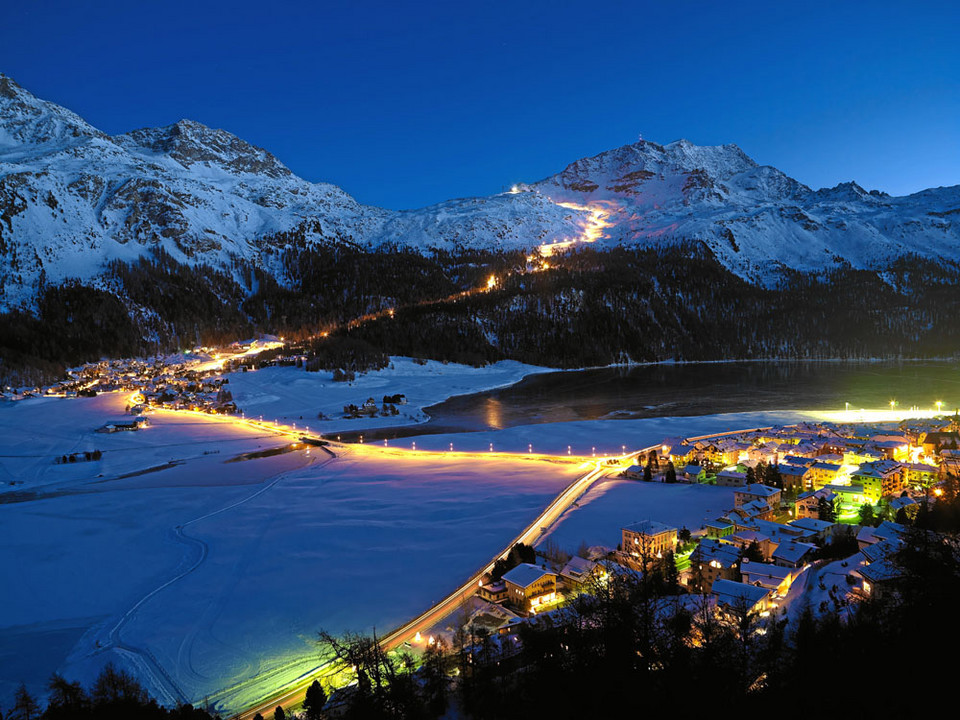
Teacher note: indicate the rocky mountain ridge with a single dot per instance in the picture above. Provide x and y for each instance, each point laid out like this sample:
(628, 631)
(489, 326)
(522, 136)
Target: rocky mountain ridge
(73, 199)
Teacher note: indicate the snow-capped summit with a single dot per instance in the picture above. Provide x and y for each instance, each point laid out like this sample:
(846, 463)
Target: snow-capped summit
(72, 199)
(189, 142)
(755, 219)
(27, 121)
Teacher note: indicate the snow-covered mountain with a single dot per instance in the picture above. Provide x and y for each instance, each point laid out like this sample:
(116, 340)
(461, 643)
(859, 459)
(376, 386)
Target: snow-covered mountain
(754, 218)
(72, 199)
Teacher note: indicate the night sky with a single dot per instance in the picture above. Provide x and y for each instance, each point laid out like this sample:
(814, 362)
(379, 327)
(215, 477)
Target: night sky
(408, 104)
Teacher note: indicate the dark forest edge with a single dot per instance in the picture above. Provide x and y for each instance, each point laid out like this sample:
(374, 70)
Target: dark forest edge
(589, 308)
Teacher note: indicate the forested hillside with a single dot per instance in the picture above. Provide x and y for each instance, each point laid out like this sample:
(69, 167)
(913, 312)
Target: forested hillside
(589, 307)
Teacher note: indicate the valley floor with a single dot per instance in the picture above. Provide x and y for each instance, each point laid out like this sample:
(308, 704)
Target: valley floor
(209, 575)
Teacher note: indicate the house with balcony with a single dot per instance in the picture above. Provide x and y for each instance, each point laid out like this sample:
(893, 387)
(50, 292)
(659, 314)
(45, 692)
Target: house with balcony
(646, 540)
(530, 587)
(712, 560)
(757, 491)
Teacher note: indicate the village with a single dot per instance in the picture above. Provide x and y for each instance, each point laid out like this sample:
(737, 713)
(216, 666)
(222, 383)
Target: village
(190, 380)
(805, 496)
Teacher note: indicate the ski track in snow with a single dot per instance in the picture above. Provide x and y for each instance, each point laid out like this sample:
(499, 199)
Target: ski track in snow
(142, 657)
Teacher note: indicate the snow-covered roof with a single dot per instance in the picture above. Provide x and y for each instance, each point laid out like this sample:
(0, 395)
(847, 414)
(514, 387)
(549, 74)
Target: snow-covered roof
(758, 490)
(526, 574)
(793, 551)
(726, 554)
(753, 570)
(812, 524)
(735, 594)
(578, 568)
(649, 527)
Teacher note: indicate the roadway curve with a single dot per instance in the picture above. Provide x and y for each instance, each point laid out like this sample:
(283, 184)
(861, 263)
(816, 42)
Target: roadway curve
(533, 532)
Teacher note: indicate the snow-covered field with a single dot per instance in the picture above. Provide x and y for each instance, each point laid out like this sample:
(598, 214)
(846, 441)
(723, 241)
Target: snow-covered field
(611, 504)
(209, 576)
(289, 394)
(602, 437)
(202, 574)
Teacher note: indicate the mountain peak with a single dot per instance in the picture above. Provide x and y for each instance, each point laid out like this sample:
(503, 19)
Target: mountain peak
(189, 142)
(27, 120)
(8, 87)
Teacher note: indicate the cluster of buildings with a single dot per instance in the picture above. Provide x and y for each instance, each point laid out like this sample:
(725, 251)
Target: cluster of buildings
(182, 384)
(848, 465)
(755, 549)
(529, 588)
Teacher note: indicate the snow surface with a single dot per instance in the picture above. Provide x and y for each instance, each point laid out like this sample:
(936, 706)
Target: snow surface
(205, 575)
(77, 198)
(612, 504)
(604, 437)
(290, 394)
(210, 578)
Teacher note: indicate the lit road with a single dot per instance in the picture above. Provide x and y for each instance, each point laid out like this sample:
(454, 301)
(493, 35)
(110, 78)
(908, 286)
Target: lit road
(596, 468)
(530, 535)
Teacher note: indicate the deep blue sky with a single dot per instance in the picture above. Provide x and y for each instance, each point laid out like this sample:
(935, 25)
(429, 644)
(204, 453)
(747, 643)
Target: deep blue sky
(407, 104)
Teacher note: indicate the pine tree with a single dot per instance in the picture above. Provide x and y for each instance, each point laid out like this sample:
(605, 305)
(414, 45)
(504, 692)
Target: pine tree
(314, 701)
(671, 475)
(25, 706)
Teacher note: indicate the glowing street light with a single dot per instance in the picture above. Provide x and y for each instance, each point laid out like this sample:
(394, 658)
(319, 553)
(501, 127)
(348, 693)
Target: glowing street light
(939, 404)
(451, 447)
(491, 447)
(568, 449)
(414, 445)
(530, 448)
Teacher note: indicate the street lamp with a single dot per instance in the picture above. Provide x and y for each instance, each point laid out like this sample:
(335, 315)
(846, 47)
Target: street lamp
(939, 405)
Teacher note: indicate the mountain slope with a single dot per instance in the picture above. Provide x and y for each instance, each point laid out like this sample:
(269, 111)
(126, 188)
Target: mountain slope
(73, 199)
(755, 219)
